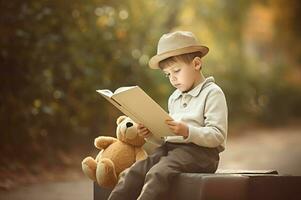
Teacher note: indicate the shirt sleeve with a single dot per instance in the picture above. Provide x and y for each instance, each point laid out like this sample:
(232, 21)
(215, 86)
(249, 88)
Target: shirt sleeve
(215, 127)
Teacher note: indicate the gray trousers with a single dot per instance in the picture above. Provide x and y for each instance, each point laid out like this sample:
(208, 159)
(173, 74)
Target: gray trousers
(150, 178)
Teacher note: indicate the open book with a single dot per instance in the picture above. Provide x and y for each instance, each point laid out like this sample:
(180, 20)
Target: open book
(140, 107)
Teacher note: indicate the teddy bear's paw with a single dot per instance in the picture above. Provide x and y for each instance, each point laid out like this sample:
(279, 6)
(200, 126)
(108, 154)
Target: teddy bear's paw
(102, 142)
(105, 173)
(89, 166)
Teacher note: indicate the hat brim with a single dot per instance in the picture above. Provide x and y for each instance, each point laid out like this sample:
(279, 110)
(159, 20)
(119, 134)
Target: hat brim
(154, 61)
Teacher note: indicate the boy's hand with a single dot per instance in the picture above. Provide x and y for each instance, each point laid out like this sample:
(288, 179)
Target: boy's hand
(178, 128)
(143, 131)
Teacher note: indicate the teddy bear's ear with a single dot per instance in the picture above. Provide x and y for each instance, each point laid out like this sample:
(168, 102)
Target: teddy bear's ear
(120, 119)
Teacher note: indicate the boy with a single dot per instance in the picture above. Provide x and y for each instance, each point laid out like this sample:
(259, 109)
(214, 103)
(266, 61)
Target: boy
(198, 107)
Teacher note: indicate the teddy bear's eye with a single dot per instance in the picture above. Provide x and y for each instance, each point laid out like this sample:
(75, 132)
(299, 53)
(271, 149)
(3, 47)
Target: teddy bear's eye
(129, 124)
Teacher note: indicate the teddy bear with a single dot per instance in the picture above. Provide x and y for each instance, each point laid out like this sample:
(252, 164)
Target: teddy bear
(116, 154)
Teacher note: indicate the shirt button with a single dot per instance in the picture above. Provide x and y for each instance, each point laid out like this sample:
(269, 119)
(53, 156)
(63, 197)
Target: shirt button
(184, 105)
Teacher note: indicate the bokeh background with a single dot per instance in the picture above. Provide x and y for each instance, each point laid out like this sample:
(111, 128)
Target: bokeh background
(55, 54)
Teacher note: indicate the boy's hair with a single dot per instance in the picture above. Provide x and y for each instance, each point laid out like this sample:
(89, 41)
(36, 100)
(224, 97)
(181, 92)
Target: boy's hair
(187, 58)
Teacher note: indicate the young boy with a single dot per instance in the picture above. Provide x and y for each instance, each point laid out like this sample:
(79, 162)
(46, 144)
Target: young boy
(198, 107)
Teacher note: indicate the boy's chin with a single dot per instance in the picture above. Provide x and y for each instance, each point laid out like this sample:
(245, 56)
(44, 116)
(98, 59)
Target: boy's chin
(185, 89)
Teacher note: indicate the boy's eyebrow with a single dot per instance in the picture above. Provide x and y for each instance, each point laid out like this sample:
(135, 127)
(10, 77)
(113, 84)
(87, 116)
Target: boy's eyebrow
(169, 68)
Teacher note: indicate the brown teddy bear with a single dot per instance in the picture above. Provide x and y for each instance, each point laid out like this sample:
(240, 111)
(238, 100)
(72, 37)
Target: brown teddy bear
(116, 154)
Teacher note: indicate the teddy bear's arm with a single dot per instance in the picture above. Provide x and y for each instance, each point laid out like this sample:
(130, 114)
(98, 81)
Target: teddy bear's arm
(140, 153)
(102, 142)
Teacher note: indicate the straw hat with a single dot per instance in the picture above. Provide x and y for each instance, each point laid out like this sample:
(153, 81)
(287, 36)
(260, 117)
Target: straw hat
(176, 43)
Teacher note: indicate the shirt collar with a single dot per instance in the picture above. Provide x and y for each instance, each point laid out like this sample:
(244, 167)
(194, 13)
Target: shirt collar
(196, 90)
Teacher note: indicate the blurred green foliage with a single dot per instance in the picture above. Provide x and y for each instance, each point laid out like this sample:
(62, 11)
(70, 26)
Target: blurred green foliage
(55, 54)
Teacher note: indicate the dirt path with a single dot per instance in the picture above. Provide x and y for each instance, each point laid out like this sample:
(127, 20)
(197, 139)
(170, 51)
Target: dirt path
(261, 149)
(74, 190)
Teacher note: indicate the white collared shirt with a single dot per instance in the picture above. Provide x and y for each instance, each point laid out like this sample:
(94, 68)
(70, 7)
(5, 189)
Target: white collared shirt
(204, 110)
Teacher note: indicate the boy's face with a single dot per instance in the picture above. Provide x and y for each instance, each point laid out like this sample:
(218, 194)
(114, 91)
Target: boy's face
(183, 76)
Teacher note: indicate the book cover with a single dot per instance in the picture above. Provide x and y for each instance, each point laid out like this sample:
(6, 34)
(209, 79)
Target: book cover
(140, 107)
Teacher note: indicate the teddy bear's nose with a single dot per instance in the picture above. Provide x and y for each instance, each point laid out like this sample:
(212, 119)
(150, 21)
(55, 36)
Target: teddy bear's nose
(129, 124)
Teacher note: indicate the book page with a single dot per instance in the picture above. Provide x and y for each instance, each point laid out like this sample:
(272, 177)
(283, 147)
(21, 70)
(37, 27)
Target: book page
(122, 89)
(145, 110)
(105, 92)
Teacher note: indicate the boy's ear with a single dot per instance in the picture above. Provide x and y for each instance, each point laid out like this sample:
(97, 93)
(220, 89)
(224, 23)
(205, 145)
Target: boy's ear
(197, 63)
